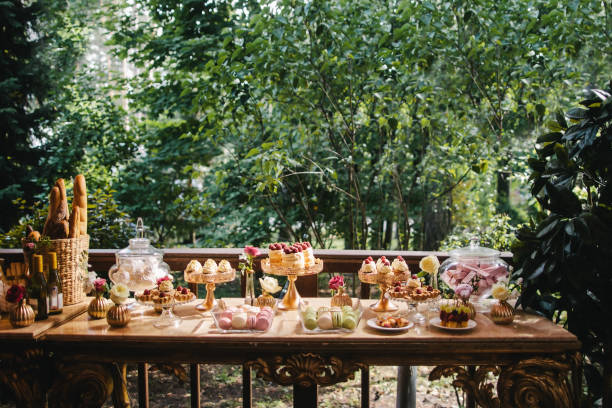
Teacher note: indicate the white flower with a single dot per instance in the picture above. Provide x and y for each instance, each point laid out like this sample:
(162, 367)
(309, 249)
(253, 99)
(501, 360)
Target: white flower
(91, 277)
(429, 264)
(500, 291)
(269, 284)
(119, 293)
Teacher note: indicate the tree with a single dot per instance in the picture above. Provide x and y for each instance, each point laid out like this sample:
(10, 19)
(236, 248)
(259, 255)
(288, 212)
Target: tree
(564, 257)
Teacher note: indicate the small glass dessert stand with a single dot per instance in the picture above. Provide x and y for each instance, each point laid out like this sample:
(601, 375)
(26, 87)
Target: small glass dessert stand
(291, 301)
(385, 283)
(211, 280)
(167, 318)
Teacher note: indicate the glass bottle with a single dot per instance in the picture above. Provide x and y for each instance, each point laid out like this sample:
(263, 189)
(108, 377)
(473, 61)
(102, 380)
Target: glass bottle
(37, 289)
(55, 295)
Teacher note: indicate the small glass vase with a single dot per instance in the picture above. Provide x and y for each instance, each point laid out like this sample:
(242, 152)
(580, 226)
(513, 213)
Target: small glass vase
(249, 294)
(502, 313)
(98, 307)
(22, 315)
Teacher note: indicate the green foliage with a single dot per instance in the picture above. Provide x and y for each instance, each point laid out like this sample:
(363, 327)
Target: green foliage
(497, 233)
(107, 225)
(564, 256)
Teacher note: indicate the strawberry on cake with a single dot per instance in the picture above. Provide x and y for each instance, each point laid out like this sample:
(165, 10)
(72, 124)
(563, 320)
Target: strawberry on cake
(275, 253)
(293, 257)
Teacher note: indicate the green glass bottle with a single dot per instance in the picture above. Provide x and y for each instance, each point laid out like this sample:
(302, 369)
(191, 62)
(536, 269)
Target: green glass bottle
(55, 295)
(37, 289)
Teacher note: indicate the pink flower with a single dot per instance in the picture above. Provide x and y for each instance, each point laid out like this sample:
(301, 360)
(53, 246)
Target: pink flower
(251, 251)
(30, 245)
(336, 282)
(464, 290)
(15, 293)
(100, 285)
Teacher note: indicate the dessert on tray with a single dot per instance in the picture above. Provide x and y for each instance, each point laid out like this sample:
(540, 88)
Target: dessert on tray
(275, 253)
(454, 315)
(210, 271)
(368, 265)
(322, 319)
(244, 318)
(183, 294)
(399, 266)
(210, 266)
(392, 322)
(293, 257)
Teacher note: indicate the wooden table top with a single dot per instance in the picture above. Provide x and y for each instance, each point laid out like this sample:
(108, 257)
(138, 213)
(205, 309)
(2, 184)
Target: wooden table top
(528, 334)
(36, 330)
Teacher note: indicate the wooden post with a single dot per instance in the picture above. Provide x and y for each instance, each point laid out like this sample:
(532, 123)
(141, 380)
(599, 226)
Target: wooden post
(305, 397)
(247, 389)
(143, 385)
(365, 387)
(194, 371)
(406, 387)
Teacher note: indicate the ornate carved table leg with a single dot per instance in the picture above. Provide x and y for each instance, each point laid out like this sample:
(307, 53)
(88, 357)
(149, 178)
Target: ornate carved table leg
(26, 374)
(305, 371)
(543, 382)
(87, 385)
(472, 382)
(537, 382)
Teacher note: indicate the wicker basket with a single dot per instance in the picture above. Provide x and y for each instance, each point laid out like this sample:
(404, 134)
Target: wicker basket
(72, 258)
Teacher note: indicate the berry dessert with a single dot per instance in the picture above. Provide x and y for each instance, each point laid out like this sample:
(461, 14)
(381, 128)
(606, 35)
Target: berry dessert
(380, 262)
(399, 266)
(385, 267)
(163, 298)
(454, 315)
(309, 258)
(275, 253)
(368, 265)
(293, 257)
(183, 294)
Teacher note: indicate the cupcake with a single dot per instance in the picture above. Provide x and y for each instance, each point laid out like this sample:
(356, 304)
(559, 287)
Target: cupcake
(210, 266)
(379, 263)
(293, 257)
(275, 253)
(399, 266)
(368, 265)
(385, 267)
(224, 266)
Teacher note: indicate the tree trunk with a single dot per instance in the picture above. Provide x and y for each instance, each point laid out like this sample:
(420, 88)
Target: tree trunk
(503, 192)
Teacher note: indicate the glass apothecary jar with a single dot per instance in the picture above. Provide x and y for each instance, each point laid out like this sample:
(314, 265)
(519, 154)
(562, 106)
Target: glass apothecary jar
(140, 265)
(476, 266)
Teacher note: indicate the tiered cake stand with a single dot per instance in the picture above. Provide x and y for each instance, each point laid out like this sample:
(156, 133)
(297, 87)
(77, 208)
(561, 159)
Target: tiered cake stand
(167, 318)
(291, 301)
(211, 280)
(385, 282)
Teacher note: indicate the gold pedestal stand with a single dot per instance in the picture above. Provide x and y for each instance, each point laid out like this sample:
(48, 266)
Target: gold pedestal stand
(211, 280)
(384, 282)
(291, 301)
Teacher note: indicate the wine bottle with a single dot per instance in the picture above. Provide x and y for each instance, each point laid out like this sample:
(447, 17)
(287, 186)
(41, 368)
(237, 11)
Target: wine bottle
(37, 289)
(55, 295)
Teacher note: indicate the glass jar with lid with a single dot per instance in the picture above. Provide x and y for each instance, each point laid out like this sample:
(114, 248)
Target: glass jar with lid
(140, 265)
(476, 266)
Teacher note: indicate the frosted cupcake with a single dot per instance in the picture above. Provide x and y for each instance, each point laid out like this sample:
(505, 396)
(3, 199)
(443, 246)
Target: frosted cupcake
(210, 266)
(368, 265)
(224, 266)
(399, 265)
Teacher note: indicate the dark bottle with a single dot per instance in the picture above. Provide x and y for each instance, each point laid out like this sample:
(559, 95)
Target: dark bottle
(37, 289)
(55, 295)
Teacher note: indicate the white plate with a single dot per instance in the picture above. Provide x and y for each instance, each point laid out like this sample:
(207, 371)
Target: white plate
(436, 323)
(372, 323)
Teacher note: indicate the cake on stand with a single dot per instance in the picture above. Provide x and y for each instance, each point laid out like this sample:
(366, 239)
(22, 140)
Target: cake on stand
(291, 300)
(385, 282)
(211, 280)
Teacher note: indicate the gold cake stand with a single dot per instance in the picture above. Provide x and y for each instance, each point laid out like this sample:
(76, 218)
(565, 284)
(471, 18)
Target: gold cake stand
(291, 301)
(385, 282)
(211, 280)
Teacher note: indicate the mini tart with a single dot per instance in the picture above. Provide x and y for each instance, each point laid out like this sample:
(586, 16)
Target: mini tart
(224, 266)
(162, 300)
(210, 266)
(420, 296)
(144, 298)
(183, 296)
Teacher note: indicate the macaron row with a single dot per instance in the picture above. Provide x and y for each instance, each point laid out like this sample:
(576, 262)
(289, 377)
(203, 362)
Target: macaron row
(326, 318)
(245, 317)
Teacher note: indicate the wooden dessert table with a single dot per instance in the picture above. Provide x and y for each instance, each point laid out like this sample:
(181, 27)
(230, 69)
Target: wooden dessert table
(22, 358)
(533, 357)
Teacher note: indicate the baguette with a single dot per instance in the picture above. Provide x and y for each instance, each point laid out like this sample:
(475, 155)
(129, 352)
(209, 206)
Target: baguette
(80, 200)
(62, 214)
(56, 227)
(74, 221)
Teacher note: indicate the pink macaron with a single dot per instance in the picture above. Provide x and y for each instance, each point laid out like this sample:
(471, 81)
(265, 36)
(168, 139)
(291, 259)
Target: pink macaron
(225, 323)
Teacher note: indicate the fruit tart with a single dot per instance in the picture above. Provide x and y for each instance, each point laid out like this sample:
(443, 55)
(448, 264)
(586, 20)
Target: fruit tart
(182, 294)
(146, 296)
(454, 315)
(163, 298)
